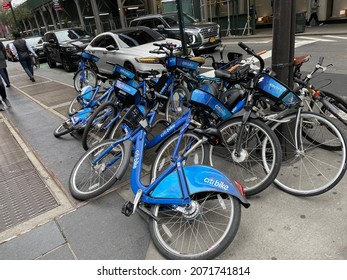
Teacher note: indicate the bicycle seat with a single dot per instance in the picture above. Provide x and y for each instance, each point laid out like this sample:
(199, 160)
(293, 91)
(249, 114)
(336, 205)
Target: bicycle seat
(213, 135)
(102, 78)
(199, 59)
(301, 59)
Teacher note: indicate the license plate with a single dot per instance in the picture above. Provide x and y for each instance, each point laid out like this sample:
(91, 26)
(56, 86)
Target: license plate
(212, 39)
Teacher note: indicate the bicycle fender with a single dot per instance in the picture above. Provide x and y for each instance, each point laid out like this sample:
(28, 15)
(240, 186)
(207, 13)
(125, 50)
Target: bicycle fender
(202, 178)
(199, 178)
(128, 146)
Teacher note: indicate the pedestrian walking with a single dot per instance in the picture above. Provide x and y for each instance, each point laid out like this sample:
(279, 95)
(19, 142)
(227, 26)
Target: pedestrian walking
(3, 65)
(22, 50)
(3, 97)
(314, 15)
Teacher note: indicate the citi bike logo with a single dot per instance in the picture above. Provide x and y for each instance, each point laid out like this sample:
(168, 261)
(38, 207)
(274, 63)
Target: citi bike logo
(216, 183)
(167, 131)
(220, 109)
(136, 159)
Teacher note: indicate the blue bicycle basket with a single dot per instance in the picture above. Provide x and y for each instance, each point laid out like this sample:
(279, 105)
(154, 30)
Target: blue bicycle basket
(89, 56)
(123, 71)
(182, 63)
(205, 100)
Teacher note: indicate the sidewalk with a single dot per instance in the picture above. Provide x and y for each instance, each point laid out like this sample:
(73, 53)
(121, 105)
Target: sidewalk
(40, 220)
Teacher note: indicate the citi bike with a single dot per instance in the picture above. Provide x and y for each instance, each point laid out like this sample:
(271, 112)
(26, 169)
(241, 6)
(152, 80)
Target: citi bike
(194, 211)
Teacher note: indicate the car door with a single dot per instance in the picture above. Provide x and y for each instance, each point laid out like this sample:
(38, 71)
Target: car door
(54, 47)
(111, 53)
(98, 47)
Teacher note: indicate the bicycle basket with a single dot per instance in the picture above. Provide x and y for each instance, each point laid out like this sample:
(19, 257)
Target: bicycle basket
(233, 58)
(210, 103)
(276, 91)
(117, 69)
(172, 62)
(135, 117)
(90, 56)
(127, 93)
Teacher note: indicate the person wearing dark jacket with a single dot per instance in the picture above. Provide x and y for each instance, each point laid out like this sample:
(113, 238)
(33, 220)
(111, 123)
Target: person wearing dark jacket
(22, 50)
(3, 65)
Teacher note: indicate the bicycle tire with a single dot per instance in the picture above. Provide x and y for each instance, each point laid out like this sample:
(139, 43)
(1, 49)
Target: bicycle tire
(98, 126)
(64, 128)
(213, 228)
(87, 180)
(117, 131)
(90, 78)
(314, 170)
(176, 106)
(339, 104)
(75, 106)
(259, 145)
(164, 152)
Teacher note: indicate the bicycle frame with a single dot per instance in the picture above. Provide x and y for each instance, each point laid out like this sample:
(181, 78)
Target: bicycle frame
(191, 179)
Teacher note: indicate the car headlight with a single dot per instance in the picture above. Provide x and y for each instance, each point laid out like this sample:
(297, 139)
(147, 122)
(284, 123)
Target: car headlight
(191, 38)
(71, 49)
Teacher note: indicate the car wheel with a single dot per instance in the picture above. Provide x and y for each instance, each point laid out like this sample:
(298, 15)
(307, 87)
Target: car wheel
(50, 62)
(130, 67)
(66, 65)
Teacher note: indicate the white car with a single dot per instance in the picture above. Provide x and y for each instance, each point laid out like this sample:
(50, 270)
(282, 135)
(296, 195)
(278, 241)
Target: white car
(124, 46)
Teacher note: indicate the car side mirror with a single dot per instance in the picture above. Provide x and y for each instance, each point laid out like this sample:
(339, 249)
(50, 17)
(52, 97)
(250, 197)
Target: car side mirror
(161, 27)
(52, 41)
(111, 48)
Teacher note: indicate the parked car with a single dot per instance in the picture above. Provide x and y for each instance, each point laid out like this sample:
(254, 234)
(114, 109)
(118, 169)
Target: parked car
(201, 36)
(124, 46)
(62, 46)
(36, 42)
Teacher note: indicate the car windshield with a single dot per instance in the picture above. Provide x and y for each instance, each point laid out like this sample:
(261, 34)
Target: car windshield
(135, 38)
(71, 34)
(172, 19)
(34, 41)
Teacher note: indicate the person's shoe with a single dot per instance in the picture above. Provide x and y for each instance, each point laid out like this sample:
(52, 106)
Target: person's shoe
(32, 79)
(7, 102)
(8, 85)
(2, 108)
(321, 24)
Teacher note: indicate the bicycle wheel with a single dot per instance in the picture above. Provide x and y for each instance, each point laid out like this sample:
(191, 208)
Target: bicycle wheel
(339, 107)
(259, 144)
(85, 77)
(99, 125)
(117, 131)
(64, 128)
(75, 105)
(202, 235)
(178, 104)
(164, 154)
(310, 170)
(88, 180)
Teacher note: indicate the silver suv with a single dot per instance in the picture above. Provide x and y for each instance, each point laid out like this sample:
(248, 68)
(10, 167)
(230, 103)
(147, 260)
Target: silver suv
(201, 35)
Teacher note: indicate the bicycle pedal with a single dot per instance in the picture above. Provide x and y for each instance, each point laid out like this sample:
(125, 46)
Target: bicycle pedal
(127, 208)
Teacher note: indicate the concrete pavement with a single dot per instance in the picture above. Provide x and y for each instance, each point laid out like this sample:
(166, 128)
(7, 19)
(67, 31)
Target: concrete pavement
(40, 220)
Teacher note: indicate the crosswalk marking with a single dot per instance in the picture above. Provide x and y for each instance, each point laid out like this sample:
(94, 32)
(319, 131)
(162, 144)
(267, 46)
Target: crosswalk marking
(336, 37)
(315, 39)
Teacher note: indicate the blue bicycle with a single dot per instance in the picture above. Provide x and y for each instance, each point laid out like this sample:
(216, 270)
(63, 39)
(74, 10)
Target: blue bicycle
(86, 74)
(194, 211)
(90, 98)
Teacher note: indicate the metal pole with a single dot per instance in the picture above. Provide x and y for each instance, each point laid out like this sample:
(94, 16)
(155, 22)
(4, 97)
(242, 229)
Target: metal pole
(181, 25)
(284, 22)
(14, 17)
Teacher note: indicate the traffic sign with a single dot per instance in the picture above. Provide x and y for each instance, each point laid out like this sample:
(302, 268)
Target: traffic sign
(6, 5)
